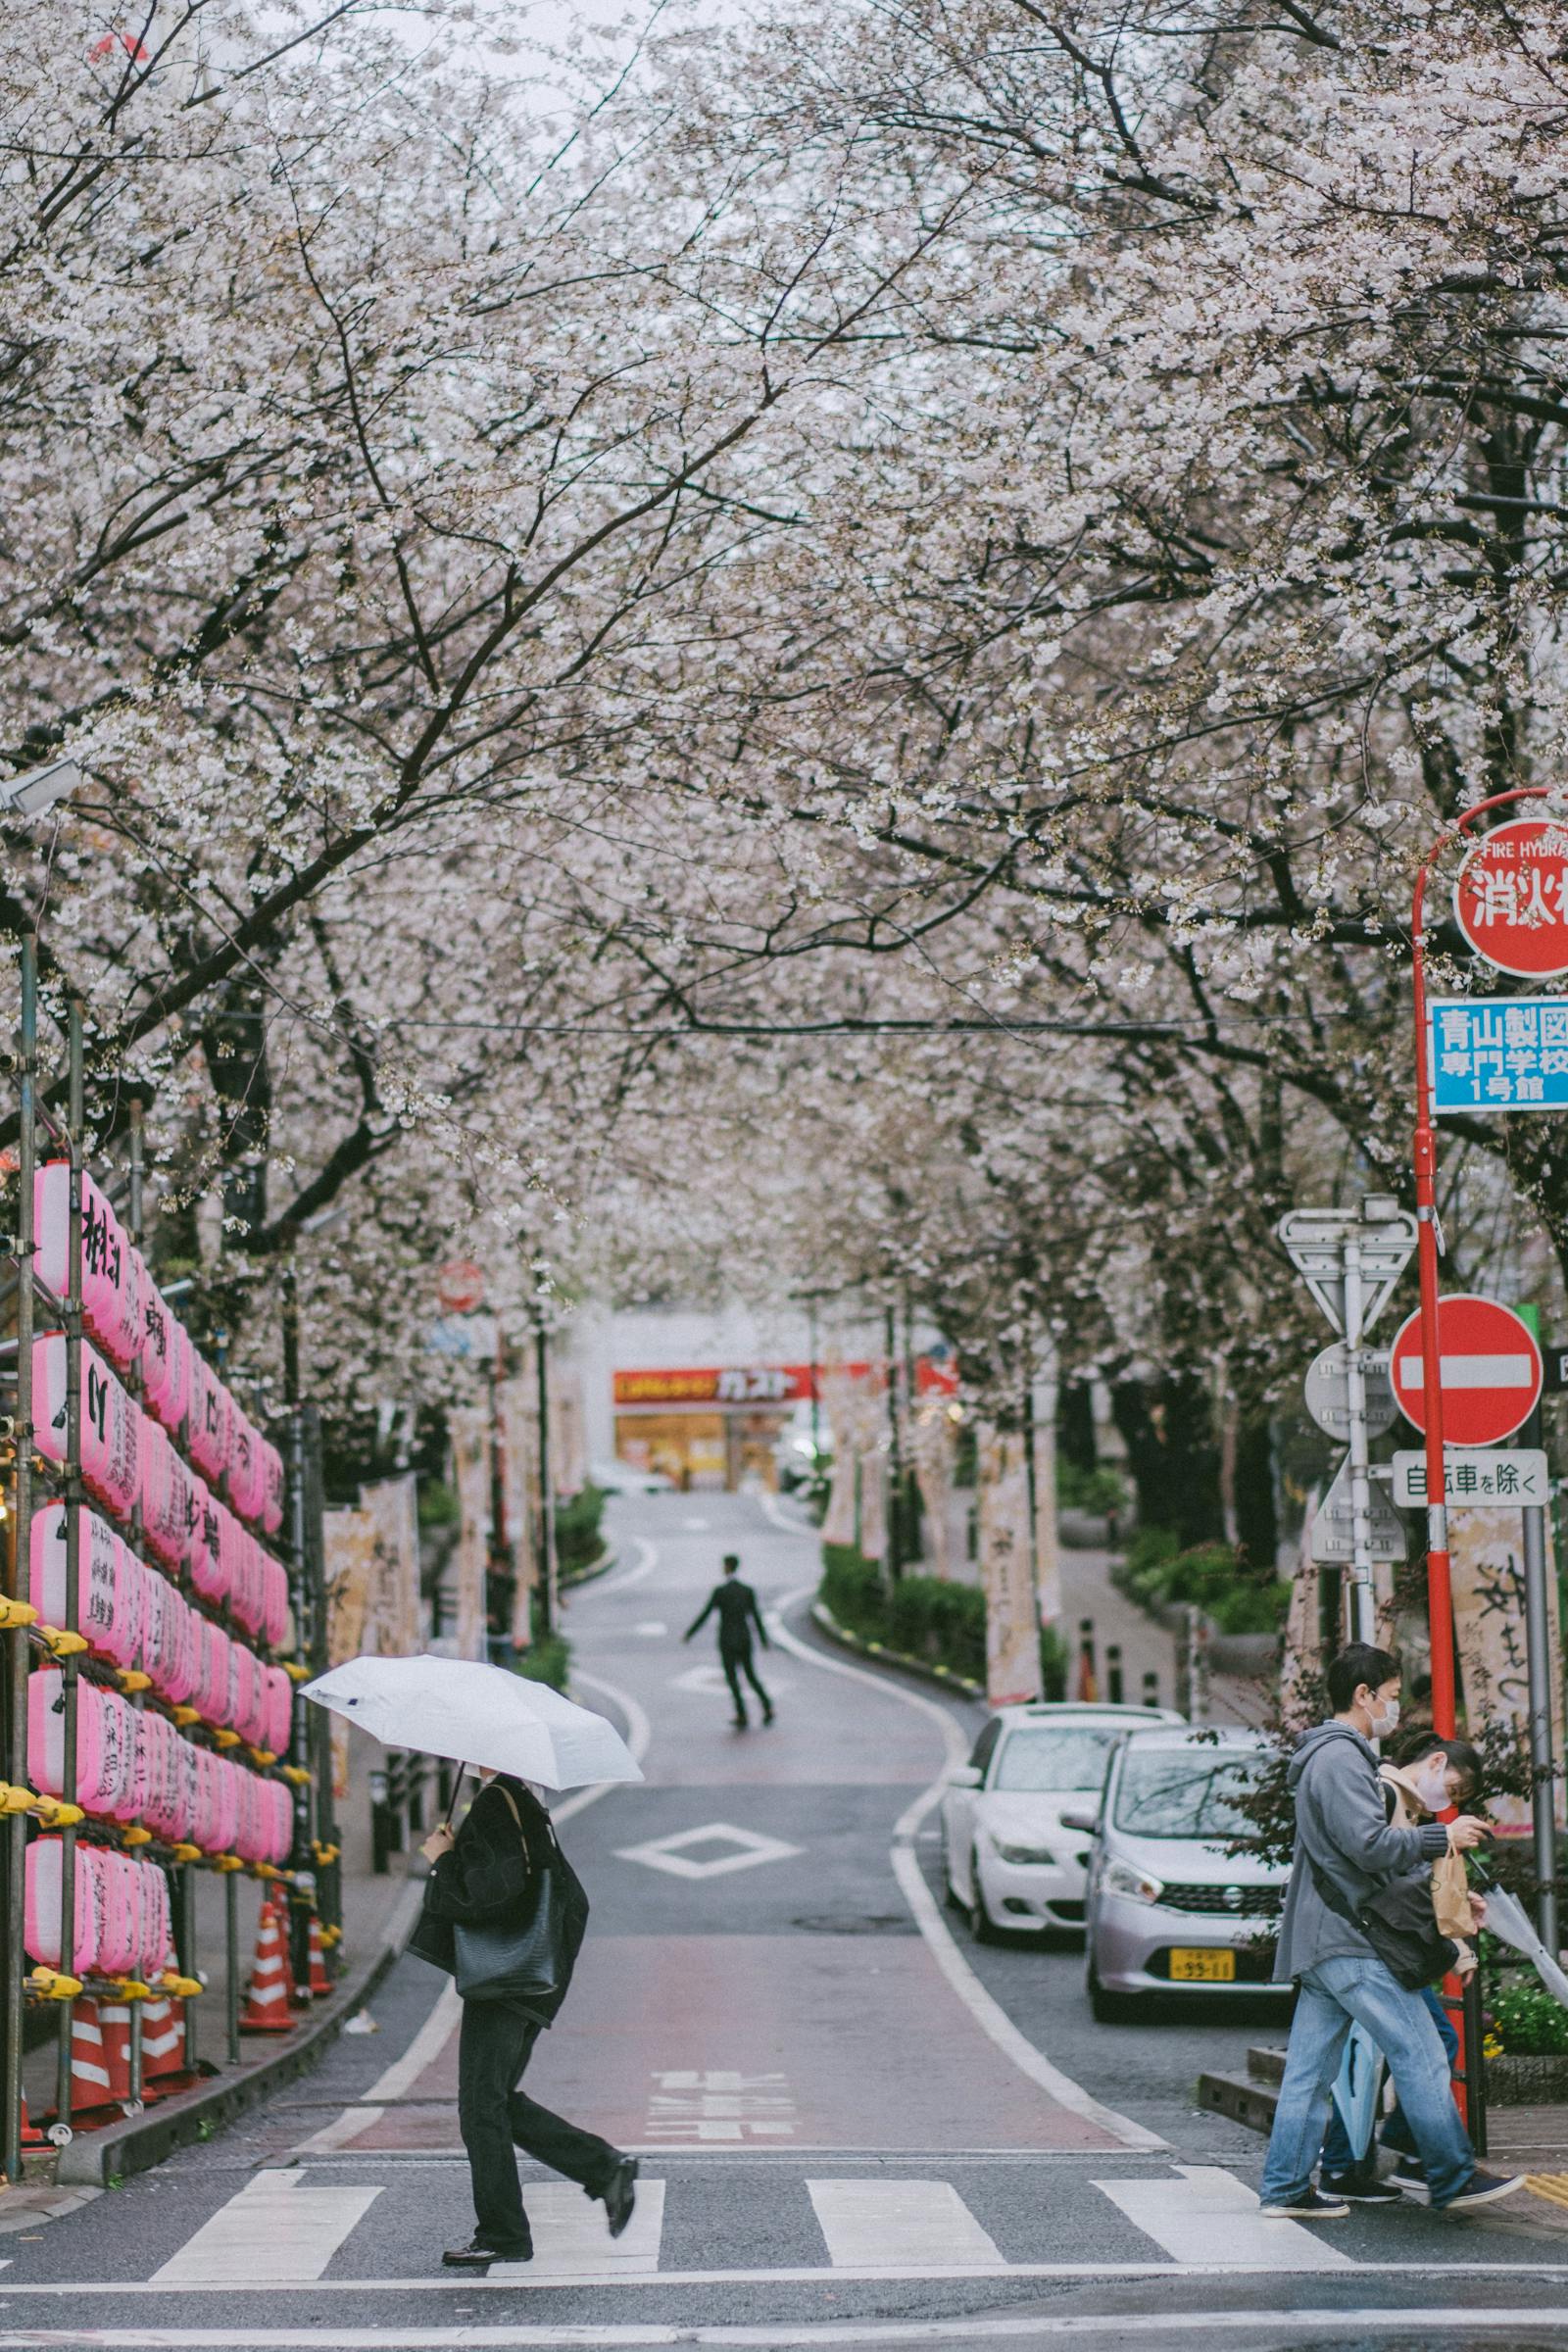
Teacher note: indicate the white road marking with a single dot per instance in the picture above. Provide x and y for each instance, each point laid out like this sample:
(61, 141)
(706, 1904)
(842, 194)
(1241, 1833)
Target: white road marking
(571, 2237)
(639, 1736)
(624, 1578)
(276, 2232)
(717, 2106)
(988, 2014)
(1209, 2217)
(399, 2079)
(1439, 2319)
(651, 1628)
(340, 2132)
(747, 1849)
(701, 1678)
(888, 2224)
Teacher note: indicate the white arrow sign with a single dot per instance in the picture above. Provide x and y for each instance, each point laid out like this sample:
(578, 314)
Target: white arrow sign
(1314, 1240)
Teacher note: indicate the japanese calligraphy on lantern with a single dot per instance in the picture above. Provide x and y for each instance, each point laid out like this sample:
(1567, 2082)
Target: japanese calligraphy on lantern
(1511, 897)
(1498, 1054)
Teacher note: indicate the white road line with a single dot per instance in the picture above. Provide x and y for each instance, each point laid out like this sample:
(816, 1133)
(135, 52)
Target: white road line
(1437, 2320)
(871, 2224)
(571, 2239)
(986, 2012)
(639, 1735)
(339, 2132)
(1210, 2217)
(423, 2050)
(624, 1578)
(276, 2232)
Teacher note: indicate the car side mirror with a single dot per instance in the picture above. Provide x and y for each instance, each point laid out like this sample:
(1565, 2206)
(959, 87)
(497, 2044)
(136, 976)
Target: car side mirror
(1088, 1823)
(966, 1776)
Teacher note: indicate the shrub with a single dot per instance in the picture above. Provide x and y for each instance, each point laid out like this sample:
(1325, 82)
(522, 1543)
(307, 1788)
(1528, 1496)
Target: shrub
(1530, 2022)
(549, 1661)
(579, 1536)
(1157, 1573)
(923, 1617)
(1099, 1491)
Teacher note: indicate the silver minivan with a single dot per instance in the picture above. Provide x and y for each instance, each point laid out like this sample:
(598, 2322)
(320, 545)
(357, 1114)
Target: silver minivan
(1171, 1903)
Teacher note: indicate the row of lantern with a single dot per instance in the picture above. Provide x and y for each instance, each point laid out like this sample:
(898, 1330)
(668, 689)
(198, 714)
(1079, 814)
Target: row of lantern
(126, 1458)
(128, 1315)
(133, 1765)
(131, 1616)
(121, 1923)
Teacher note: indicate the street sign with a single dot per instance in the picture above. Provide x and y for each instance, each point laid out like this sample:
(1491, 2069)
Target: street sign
(460, 1285)
(1498, 1054)
(1314, 1240)
(1491, 1370)
(1511, 897)
(1328, 1390)
(1517, 1477)
(1554, 1361)
(1333, 1525)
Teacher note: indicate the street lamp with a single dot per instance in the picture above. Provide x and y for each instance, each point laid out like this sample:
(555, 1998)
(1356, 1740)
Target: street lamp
(37, 788)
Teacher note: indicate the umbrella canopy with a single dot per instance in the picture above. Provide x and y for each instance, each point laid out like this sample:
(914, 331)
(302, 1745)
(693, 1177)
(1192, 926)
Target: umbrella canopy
(478, 1714)
(1508, 1919)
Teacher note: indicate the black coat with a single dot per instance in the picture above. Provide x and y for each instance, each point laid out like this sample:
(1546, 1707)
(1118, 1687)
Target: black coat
(486, 1875)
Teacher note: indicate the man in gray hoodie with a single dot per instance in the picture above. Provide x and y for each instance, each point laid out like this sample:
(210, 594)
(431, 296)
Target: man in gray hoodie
(1345, 1849)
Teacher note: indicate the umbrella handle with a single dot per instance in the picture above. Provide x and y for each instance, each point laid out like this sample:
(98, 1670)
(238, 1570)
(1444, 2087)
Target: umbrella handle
(457, 1791)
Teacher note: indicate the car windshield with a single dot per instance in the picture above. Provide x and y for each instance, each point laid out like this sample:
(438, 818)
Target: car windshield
(1184, 1795)
(1072, 1756)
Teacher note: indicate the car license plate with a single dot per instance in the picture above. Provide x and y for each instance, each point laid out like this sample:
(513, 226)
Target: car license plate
(1202, 1967)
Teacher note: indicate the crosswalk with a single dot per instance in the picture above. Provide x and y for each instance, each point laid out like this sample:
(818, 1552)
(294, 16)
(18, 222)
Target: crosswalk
(296, 2225)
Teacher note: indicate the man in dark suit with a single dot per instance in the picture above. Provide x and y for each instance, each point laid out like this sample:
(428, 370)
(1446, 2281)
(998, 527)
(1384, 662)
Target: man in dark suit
(737, 1612)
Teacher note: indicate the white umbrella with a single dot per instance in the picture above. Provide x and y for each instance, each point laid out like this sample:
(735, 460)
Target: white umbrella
(1508, 1919)
(478, 1714)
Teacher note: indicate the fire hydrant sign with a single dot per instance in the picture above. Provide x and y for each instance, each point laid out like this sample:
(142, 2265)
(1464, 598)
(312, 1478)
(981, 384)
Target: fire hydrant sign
(1491, 1370)
(1511, 897)
(1498, 1054)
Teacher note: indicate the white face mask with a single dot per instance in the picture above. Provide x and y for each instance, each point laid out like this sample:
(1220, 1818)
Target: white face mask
(1383, 1726)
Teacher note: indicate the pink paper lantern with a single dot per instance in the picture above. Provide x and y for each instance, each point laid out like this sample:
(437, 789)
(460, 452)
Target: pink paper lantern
(42, 1889)
(208, 1418)
(111, 1422)
(111, 1270)
(272, 1487)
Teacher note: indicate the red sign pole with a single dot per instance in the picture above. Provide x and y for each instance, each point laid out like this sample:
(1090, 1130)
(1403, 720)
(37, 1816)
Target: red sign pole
(1440, 1591)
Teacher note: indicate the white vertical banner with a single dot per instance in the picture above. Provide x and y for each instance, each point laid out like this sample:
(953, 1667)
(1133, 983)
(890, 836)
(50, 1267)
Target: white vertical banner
(1007, 1568)
(393, 1618)
(569, 1429)
(1486, 1553)
(933, 1447)
(348, 1562)
(470, 1429)
(518, 1410)
(873, 1465)
(1048, 1553)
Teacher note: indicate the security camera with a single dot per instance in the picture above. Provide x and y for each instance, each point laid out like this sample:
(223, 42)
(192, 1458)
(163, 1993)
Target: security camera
(37, 788)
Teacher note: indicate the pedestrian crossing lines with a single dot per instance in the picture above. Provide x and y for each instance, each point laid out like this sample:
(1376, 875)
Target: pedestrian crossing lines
(286, 2228)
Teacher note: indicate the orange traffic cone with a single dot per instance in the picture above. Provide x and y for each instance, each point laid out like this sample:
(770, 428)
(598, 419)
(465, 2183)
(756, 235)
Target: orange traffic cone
(320, 1980)
(162, 2047)
(271, 1985)
(100, 2055)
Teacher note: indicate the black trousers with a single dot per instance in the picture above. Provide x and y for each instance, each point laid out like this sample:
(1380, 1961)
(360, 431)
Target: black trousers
(736, 1662)
(493, 2116)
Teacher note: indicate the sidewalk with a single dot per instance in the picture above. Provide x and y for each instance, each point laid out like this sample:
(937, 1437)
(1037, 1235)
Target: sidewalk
(369, 1914)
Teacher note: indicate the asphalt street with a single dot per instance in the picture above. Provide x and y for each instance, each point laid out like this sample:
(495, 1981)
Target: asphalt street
(855, 2126)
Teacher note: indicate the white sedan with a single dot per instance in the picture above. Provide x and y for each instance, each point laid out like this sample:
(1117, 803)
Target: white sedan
(1009, 1861)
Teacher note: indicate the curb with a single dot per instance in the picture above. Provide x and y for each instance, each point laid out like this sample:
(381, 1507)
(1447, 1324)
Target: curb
(585, 1575)
(101, 2159)
(879, 1654)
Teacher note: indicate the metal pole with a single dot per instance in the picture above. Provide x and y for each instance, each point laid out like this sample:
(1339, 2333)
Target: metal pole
(1537, 1664)
(231, 1939)
(547, 1485)
(1363, 1607)
(17, 1651)
(73, 1482)
(135, 1384)
(895, 1511)
(816, 1406)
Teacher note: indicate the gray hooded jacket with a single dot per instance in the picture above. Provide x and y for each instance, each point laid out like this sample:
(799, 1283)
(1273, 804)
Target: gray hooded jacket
(1342, 1825)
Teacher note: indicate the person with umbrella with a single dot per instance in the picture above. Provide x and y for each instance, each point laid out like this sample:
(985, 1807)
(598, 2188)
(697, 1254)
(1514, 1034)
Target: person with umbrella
(481, 1876)
(504, 1912)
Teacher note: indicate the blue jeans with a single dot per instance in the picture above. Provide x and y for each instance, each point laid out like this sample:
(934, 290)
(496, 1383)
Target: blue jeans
(1332, 1995)
(1338, 2158)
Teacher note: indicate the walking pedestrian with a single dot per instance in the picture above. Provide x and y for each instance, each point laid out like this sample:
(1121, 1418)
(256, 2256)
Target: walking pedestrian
(737, 1612)
(1435, 1779)
(485, 1876)
(1346, 1849)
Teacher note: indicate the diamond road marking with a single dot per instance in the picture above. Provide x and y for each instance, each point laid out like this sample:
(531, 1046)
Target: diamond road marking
(701, 1678)
(747, 1849)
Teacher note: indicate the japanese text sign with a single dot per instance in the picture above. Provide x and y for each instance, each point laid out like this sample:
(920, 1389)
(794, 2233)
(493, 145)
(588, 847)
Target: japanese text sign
(1511, 898)
(1518, 1477)
(1499, 1053)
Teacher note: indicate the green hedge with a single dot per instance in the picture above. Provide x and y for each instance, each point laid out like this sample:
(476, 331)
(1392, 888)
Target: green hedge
(1099, 1491)
(1529, 2021)
(922, 1617)
(1159, 1574)
(579, 1537)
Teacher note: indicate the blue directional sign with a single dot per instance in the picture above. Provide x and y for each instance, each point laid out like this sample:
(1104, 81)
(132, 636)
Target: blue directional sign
(1500, 1052)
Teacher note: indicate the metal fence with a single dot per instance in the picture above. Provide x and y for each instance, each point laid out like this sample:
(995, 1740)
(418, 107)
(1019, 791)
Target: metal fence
(163, 1600)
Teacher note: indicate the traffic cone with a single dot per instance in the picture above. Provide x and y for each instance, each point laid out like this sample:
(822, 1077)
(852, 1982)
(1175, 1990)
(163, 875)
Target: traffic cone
(1088, 1692)
(271, 1985)
(100, 2055)
(320, 1980)
(162, 2047)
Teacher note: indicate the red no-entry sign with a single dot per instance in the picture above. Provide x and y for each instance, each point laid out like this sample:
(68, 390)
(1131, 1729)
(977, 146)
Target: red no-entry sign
(1491, 1370)
(1511, 898)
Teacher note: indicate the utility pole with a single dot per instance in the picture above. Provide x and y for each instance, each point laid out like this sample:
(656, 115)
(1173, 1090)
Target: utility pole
(548, 1595)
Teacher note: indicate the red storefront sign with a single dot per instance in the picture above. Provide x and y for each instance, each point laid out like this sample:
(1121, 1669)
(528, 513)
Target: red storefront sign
(760, 1384)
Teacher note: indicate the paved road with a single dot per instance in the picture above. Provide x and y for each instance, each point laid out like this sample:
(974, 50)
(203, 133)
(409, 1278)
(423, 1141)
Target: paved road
(854, 2128)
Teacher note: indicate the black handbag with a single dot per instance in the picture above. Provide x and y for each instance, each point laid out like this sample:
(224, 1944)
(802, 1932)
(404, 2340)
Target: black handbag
(527, 1957)
(1398, 1922)
(432, 1940)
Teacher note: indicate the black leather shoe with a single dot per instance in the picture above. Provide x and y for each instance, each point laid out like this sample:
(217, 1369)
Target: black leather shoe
(619, 2195)
(475, 2257)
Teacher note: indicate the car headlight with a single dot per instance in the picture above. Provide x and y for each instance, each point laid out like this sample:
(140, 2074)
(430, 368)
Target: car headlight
(1023, 1853)
(1119, 1878)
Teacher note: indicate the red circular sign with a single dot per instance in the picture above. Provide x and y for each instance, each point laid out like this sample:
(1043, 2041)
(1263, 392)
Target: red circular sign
(460, 1285)
(1491, 1370)
(1511, 898)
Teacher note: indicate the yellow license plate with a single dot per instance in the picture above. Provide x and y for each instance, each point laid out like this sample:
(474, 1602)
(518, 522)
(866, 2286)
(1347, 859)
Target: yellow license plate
(1202, 1968)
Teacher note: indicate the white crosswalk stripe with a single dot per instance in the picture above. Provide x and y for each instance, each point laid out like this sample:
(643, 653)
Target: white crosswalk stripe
(1208, 2216)
(571, 2239)
(895, 2224)
(276, 2232)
